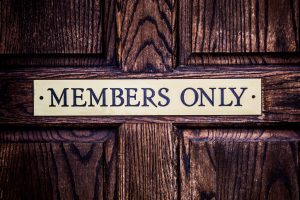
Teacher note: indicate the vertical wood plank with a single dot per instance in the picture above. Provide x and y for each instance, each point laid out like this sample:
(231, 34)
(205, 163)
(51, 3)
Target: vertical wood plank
(245, 26)
(48, 26)
(147, 162)
(146, 32)
(239, 164)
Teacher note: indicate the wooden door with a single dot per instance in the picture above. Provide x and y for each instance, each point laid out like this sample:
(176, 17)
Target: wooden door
(154, 157)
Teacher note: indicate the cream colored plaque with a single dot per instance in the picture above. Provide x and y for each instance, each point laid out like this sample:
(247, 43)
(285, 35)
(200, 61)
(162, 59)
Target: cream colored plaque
(147, 97)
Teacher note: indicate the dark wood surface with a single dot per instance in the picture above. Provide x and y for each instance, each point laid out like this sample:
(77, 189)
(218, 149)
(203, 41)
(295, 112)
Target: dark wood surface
(56, 135)
(238, 32)
(166, 35)
(66, 26)
(146, 30)
(239, 164)
(242, 59)
(155, 157)
(57, 33)
(148, 162)
(281, 90)
(245, 26)
(58, 164)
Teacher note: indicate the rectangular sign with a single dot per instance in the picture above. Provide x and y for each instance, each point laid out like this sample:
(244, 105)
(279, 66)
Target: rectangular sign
(147, 97)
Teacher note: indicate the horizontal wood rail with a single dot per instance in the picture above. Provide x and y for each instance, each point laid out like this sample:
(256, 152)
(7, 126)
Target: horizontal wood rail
(281, 89)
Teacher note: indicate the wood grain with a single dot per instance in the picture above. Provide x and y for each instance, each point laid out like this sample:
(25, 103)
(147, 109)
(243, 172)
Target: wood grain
(44, 27)
(58, 60)
(245, 26)
(239, 164)
(146, 32)
(242, 60)
(62, 168)
(280, 95)
(83, 158)
(68, 53)
(221, 33)
(147, 167)
(56, 135)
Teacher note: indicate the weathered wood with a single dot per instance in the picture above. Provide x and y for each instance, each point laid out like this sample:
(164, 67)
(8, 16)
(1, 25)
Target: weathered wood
(58, 170)
(245, 26)
(280, 95)
(232, 39)
(146, 31)
(148, 164)
(239, 164)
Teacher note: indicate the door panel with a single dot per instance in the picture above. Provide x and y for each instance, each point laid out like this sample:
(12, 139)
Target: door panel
(245, 26)
(239, 164)
(58, 164)
(238, 33)
(57, 33)
(48, 26)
